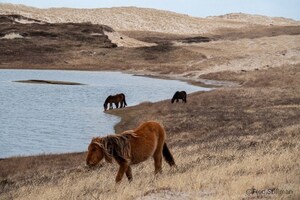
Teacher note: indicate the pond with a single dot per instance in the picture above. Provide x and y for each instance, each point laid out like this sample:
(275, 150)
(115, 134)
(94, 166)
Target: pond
(47, 118)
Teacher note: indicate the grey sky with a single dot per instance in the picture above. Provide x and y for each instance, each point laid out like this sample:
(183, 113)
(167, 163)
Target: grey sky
(198, 8)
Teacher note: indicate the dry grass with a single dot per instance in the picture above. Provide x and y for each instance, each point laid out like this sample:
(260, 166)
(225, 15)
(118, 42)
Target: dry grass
(202, 173)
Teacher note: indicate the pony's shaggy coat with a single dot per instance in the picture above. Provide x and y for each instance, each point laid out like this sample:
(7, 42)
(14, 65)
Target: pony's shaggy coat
(131, 147)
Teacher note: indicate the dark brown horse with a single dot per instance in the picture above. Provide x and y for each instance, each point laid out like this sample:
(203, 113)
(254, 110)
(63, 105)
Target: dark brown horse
(116, 99)
(131, 147)
(179, 95)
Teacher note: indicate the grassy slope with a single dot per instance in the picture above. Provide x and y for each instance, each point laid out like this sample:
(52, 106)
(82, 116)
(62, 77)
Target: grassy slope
(224, 141)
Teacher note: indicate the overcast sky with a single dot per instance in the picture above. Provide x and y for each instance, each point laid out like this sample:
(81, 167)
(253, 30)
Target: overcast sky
(198, 8)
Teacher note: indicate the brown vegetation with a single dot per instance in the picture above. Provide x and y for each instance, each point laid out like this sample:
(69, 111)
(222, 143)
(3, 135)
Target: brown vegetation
(41, 44)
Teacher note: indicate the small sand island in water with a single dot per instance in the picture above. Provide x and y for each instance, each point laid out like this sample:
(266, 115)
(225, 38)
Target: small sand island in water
(49, 82)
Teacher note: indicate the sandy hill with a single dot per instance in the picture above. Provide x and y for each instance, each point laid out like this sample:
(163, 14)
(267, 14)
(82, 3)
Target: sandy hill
(144, 19)
(256, 19)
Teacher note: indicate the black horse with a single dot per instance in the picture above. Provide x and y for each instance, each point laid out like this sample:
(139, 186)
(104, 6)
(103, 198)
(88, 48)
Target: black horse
(116, 99)
(179, 95)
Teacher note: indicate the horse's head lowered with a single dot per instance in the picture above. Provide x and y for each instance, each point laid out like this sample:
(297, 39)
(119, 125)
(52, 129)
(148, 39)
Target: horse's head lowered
(107, 101)
(175, 96)
(105, 106)
(96, 152)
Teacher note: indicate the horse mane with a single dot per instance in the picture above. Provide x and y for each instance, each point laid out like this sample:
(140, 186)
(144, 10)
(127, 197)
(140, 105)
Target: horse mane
(106, 100)
(117, 146)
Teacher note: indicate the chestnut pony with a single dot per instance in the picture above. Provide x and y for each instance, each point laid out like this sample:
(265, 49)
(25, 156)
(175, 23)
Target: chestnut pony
(131, 147)
(116, 99)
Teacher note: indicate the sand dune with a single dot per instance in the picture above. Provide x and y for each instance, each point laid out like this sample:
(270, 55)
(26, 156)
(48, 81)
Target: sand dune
(144, 19)
(256, 19)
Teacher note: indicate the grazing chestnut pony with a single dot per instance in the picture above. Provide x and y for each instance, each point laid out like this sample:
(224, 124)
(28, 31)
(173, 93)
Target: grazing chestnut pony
(131, 147)
(116, 99)
(179, 95)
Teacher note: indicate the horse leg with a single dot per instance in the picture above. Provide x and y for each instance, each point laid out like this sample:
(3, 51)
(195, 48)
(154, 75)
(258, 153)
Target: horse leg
(110, 106)
(158, 162)
(157, 156)
(122, 169)
(129, 174)
(177, 100)
(117, 105)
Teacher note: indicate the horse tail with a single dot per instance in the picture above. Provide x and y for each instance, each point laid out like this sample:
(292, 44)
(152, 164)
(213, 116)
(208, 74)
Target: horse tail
(184, 99)
(124, 100)
(168, 156)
